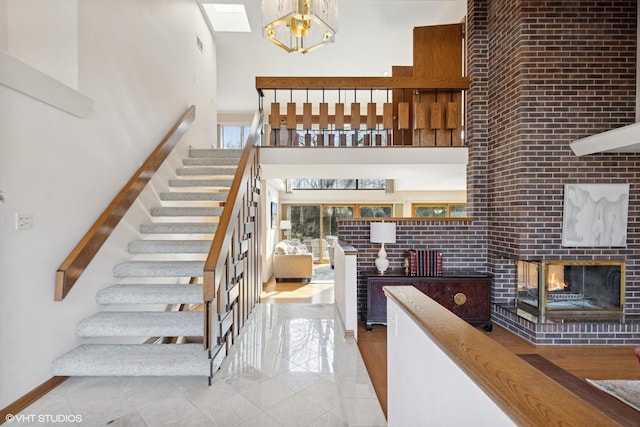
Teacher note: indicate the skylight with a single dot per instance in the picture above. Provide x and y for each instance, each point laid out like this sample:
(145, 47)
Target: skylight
(231, 18)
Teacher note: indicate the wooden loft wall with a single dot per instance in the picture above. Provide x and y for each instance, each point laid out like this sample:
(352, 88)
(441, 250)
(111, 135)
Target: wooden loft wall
(431, 116)
(427, 97)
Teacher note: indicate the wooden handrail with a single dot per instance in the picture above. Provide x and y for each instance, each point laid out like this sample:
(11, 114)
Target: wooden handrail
(524, 393)
(457, 82)
(221, 243)
(80, 257)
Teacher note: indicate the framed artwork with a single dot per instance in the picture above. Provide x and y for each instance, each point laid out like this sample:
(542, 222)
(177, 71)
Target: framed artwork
(595, 215)
(274, 214)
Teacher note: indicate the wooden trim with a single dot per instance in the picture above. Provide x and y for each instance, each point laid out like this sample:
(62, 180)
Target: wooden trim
(324, 121)
(387, 115)
(80, 257)
(307, 115)
(339, 116)
(403, 115)
(436, 116)
(372, 118)
(291, 115)
(323, 117)
(409, 219)
(264, 83)
(355, 115)
(274, 117)
(614, 408)
(29, 398)
(525, 394)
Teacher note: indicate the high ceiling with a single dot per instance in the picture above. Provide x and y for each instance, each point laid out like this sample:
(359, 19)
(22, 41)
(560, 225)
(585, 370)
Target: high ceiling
(373, 36)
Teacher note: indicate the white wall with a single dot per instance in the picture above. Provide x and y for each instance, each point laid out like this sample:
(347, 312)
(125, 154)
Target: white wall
(138, 61)
(53, 46)
(270, 236)
(425, 387)
(345, 289)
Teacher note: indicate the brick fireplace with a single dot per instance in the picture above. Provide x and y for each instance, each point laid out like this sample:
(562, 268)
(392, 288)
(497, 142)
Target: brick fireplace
(570, 291)
(543, 75)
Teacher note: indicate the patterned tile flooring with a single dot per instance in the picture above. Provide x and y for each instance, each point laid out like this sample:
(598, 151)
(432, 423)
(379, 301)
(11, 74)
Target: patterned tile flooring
(290, 366)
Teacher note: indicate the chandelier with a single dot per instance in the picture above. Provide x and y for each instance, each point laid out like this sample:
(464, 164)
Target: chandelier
(300, 25)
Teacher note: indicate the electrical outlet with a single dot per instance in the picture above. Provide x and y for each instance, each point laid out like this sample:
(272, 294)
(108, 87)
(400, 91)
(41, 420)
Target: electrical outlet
(24, 221)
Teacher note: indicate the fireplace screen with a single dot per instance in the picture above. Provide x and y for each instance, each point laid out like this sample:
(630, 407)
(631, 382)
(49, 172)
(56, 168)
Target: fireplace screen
(565, 288)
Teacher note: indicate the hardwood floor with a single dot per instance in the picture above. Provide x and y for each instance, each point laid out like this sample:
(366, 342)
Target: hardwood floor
(373, 348)
(567, 365)
(320, 292)
(581, 362)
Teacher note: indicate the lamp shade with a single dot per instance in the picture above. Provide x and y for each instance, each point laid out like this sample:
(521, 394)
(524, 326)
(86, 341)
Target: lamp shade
(383, 232)
(285, 224)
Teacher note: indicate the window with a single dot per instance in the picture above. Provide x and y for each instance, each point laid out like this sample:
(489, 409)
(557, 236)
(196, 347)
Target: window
(337, 184)
(233, 136)
(316, 225)
(372, 211)
(458, 211)
(439, 210)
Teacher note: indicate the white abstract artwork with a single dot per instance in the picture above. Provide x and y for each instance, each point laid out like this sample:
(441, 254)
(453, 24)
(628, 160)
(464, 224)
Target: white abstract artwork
(595, 215)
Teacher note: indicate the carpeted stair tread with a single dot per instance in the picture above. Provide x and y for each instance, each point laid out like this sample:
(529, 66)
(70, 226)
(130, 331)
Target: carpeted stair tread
(133, 360)
(179, 227)
(210, 161)
(215, 152)
(223, 170)
(150, 294)
(198, 194)
(169, 247)
(185, 211)
(142, 324)
(200, 182)
(186, 196)
(159, 269)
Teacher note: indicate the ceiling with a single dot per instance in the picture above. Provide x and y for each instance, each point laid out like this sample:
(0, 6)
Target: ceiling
(373, 36)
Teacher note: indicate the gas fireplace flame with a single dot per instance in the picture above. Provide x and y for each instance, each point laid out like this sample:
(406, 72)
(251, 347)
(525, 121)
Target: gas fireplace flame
(555, 281)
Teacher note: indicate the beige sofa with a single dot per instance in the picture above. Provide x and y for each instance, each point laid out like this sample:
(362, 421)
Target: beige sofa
(291, 262)
(293, 267)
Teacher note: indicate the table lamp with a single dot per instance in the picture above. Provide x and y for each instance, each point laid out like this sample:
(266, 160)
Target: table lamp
(382, 232)
(285, 225)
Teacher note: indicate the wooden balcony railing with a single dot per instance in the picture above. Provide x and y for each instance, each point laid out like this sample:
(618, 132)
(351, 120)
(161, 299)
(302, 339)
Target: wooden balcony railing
(421, 104)
(80, 257)
(232, 280)
(383, 111)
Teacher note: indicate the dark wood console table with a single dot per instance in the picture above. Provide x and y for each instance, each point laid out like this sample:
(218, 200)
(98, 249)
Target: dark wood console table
(467, 296)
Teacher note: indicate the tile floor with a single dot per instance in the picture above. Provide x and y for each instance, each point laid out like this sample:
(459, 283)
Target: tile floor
(290, 366)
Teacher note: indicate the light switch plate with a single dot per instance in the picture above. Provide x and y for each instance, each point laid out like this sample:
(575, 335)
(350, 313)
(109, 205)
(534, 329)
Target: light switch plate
(24, 221)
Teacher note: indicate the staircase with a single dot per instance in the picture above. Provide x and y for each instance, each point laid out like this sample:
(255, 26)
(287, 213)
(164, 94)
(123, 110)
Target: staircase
(162, 278)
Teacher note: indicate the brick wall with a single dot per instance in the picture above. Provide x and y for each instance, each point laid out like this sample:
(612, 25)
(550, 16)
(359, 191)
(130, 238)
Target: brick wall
(461, 243)
(560, 71)
(543, 74)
